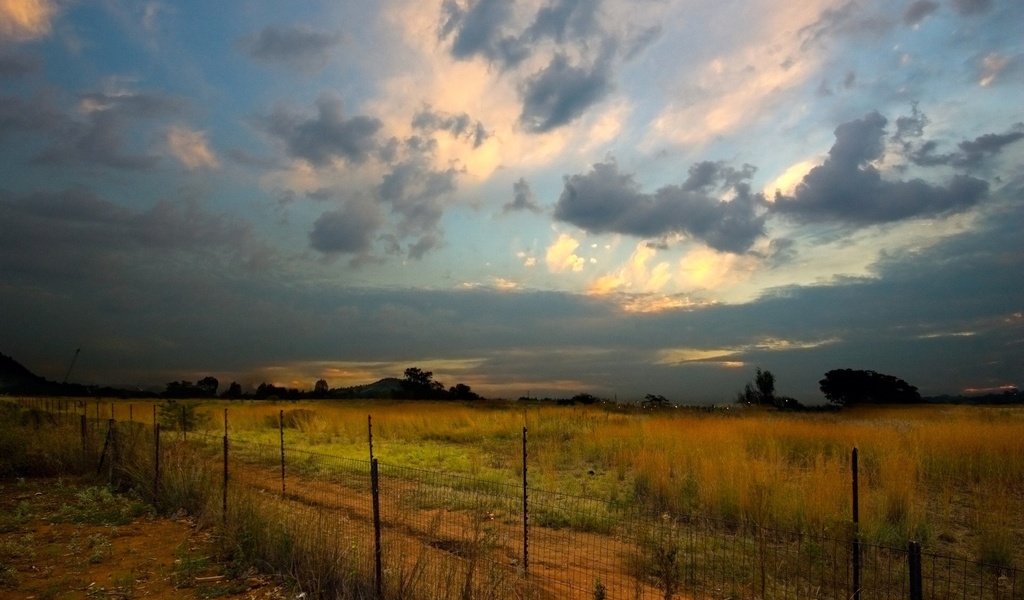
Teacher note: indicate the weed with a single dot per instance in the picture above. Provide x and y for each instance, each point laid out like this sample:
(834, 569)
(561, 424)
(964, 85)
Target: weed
(99, 506)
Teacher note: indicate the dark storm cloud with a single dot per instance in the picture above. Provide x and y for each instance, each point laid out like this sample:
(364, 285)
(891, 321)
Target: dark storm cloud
(416, 193)
(17, 65)
(76, 235)
(970, 154)
(479, 30)
(459, 125)
(560, 20)
(326, 137)
(298, 46)
(522, 198)
(106, 135)
(350, 230)
(36, 114)
(605, 200)
(917, 11)
(561, 92)
(847, 188)
(972, 7)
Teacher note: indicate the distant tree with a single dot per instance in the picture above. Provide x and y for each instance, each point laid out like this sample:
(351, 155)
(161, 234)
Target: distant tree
(420, 384)
(765, 382)
(234, 391)
(584, 399)
(271, 391)
(759, 392)
(847, 387)
(180, 416)
(653, 401)
(462, 391)
(321, 388)
(207, 386)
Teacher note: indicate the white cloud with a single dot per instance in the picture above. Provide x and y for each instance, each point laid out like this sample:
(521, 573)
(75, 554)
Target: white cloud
(734, 89)
(191, 148)
(561, 255)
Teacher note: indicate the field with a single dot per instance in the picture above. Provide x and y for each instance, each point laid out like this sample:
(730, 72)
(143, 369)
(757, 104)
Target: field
(950, 477)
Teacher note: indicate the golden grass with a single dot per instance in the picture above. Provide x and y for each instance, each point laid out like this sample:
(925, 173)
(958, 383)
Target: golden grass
(950, 475)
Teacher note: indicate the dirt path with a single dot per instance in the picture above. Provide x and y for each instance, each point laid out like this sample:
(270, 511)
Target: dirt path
(65, 539)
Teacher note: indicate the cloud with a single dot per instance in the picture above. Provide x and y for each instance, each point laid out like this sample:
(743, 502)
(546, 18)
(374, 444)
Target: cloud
(972, 7)
(24, 20)
(917, 11)
(522, 198)
(562, 19)
(971, 153)
(561, 92)
(16, 65)
(416, 193)
(994, 66)
(459, 125)
(105, 136)
(75, 235)
(605, 200)
(479, 30)
(293, 46)
(191, 148)
(848, 189)
(350, 230)
(328, 136)
(561, 255)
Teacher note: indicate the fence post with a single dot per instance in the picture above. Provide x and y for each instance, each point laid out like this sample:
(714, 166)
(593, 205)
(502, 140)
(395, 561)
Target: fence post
(280, 420)
(85, 436)
(375, 492)
(914, 565)
(369, 433)
(526, 516)
(856, 526)
(224, 498)
(156, 464)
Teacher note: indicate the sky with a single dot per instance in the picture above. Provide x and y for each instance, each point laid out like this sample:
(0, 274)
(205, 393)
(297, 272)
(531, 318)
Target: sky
(542, 197)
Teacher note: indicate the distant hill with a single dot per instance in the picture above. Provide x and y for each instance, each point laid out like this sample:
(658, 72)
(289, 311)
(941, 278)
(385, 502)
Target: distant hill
(389, 387)
(14, 376)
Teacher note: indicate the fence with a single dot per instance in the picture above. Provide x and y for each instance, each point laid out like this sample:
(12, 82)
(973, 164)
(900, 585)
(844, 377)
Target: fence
(386, 530)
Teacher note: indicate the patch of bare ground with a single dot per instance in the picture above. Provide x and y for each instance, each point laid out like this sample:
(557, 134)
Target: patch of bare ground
(68, 539)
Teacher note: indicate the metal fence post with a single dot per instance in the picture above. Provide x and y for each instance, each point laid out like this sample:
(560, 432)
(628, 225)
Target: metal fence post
(526, 515)
(85, 436)
(156, 464)
(856, 526)
(224, 498)
(914, 565)
(375, 492)
(281, 427)
(369, 433)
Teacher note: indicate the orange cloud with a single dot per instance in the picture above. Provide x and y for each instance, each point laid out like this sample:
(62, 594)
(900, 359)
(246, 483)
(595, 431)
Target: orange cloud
(22, 20)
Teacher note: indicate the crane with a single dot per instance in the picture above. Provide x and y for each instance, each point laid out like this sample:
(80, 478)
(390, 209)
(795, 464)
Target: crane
(72, 365)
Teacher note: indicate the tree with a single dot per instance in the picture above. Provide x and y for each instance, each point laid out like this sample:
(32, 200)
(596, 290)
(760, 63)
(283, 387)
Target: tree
(207, 386)
(847, 387)
(420, 384)
(234, 390)
(765, 382)
(653, 401)
(320, 388)
(761, 391)
(462, 391)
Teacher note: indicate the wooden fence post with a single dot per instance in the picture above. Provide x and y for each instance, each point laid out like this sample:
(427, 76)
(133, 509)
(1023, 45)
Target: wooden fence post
(914, 565)
(85, 436)
(375, 492)
(856, 526)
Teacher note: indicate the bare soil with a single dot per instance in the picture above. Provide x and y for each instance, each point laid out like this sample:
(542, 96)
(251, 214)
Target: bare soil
(56, 543)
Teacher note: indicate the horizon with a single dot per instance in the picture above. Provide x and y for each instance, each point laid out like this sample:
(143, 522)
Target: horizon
(543, 197)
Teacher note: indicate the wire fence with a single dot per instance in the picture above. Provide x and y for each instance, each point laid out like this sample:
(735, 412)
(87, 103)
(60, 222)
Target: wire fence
(382, 530)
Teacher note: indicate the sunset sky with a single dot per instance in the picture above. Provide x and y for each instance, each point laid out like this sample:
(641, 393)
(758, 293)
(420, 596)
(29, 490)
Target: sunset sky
(545, 197)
